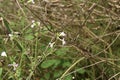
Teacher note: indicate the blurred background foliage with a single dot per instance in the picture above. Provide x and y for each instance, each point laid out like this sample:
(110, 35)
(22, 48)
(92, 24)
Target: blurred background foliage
(92, 41)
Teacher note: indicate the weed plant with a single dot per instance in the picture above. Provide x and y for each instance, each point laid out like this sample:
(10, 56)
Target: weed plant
(59, 40)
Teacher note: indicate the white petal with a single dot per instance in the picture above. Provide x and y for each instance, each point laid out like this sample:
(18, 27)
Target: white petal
(10, 35)
(33, 1)
(51, 44)
(73, 77)
(33, 21)
(4, 54)
(32, 26)
(63, 41)
(14, 65)
(62, 34)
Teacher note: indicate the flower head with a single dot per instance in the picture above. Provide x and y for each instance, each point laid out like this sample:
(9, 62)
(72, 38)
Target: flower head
(33, 24)
(73, 77)
(11, 36)
(33, 21)
(51, 44)
(14, 65)
(62, 34)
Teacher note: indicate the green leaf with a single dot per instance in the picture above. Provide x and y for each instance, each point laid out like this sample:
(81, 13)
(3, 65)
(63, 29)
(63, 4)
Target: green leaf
(47, 76)
(69, 77)
(81, 71)
(42, 47)
(7, 26)
(66, 64)
(62, 51)
(1, 72)
(42, 79)
(57, 74)
(2, 46)
(29, 37)
(19, 45)
(48, 63)
(57, 62)
(28, 31)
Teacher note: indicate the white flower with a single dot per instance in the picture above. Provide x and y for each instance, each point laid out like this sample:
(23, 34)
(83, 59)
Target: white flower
(62, 34)
(73, 77)
(32, 26)
(63, 41)
(14, 65)
(4, 54)
(33, 21)
(51, 44)
(10, 35)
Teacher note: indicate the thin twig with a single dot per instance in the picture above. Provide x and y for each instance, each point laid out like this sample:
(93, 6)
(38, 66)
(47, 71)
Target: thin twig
(20, 8)
(111, 78)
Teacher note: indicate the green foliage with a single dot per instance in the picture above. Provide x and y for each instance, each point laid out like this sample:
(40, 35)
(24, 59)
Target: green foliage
(49, 63)
(66, 64)
(7, 25)
(29, 37)
(58, 73)
(62, 51)
(81, 71)
(47, 76)
(1, 70)
(69, 77)
(19, 45)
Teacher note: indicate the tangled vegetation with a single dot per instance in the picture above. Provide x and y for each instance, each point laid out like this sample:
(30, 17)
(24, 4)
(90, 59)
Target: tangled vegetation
(59, 39)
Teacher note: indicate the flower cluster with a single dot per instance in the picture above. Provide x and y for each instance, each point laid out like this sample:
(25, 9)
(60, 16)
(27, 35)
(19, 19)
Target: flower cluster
(62, 34)
(34, 23)
(14, 65)
(51, 44)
